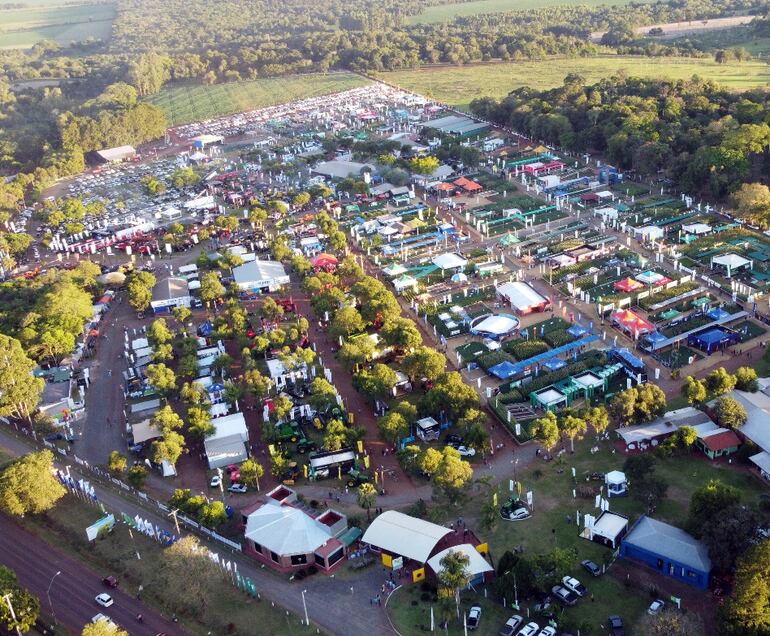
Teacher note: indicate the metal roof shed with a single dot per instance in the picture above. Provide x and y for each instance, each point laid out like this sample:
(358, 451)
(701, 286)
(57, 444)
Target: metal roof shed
(403, 535)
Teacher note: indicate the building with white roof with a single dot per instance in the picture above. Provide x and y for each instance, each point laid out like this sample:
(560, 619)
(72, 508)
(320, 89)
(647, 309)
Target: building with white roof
(522, 298)
(260, 276)
(730, 263)
(478, 567)
(168, 293)
(650, 434)
(449, 261)
(398, 534)
(228, 444)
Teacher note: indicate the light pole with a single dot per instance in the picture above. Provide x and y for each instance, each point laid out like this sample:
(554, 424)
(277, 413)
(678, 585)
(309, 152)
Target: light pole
(7, 599)
(304, 606)
(48, 594)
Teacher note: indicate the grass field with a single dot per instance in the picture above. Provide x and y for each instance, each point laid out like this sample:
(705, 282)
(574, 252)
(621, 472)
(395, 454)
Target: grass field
(448, 12)
(459, 85)
(21, 28)
(731, 38)
(188, 103)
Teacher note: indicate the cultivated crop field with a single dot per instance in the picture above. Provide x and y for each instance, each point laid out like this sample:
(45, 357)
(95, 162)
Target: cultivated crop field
(22, 28)
(459, 85)
(448, 12)
(188, 103)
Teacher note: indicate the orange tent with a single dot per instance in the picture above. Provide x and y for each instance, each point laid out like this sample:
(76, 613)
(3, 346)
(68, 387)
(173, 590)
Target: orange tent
(628, 285)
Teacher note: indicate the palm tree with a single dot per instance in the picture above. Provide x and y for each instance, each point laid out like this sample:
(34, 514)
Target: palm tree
(367, 497)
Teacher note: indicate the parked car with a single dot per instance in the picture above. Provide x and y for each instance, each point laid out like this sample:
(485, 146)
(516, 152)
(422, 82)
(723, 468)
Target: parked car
(474, 616)
(110, 581)
(563, 595)
(240, 488)
(574, 585)
(466, 451)
(530, 629)
(548, 630)
(104, 599)
(655, 607)
(518, 514)
(510, 625)
(216, 481)
(591, 568)
(102, 617)
(616, 626)
(453, 440)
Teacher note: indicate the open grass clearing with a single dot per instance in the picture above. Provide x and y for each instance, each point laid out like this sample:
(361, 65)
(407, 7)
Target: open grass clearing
(448, 12)
(193, 102)
(459, 85)
(735, 37)
(64, 528)
(22, 28)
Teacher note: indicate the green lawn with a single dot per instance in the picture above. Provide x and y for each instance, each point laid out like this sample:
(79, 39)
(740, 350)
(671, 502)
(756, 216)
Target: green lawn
(459, 85)
(740, 36)
(447, 12)
(116, 554)
(20, 28)
(186, 103)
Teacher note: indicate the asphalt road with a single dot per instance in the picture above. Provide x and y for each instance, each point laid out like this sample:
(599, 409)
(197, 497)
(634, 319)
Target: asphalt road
(74, 590)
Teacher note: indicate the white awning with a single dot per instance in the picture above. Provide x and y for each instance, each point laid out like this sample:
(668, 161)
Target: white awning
(477, 564)
(449, 261)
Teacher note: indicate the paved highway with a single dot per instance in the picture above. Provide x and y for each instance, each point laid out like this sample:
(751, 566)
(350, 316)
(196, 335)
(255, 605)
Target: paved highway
(74, 590)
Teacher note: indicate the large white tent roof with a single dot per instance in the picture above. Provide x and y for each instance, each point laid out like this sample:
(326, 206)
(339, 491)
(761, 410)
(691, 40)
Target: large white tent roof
(228, 425)
(477, 564)
(496, 324)
(730, 260)
(449, 261)
(144, 431)
(285, 530)
(404, 535)
(520, 295)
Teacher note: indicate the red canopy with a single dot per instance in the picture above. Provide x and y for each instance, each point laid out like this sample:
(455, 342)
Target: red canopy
(628, 285)
(468, 185)
(326, 262)
(631, 322)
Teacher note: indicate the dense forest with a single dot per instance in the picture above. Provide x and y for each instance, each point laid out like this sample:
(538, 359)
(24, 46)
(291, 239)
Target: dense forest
(706, 139)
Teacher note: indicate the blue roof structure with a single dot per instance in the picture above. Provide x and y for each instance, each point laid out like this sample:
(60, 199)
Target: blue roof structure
(576, 331)
(540, 358)
(717, 313)
(504, 370)
(655, 336)
(628, 358)
(711, 339)
(555, 364)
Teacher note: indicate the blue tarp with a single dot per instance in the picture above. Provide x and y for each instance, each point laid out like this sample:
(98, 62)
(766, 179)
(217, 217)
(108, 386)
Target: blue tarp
(576, 331)
(555, 364)
(504, 370)
(712, 339)
(628, 358)
(717, 313)
(540, 358)
(655, 336)
(205, 329)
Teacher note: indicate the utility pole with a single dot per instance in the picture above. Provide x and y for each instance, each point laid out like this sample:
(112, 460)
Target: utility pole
(7, 599)
(304, 606)
(176, 521)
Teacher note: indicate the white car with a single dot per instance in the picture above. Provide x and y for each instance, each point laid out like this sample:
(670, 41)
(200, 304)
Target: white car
(104, 599)
(466, 451)
(655, 607)
(216, 481)
(574, 585)
(530, 629)
(518, 514)
(237, 488)
(103, 618)
(474, 616)
(510, 625)
(548, 630)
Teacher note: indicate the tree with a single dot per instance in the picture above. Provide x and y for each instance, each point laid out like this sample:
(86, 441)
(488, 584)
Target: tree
(545, 430)
(102, 628)
(719, 382)
(26, 607)
(573, 427)
(165, 419)
(452, 475)
(598, 418)
(163, 353)
(20, 391)
(376, 382)
(392, 427)
(423, 165)
(729, 534)
(639, 404)
(282, 406)
(424, 362)
(139, 286)
(401, 333)
(346, 322)
(453, 576)
(211, 288)
(256, 383)
(428, 461)
(694, 391)
(639, 466)
(746, 379)
(181, 314)
(232, 392)
(747, 611)
(251, 472)
(189, 575)
(335, 435)
(212, 514)
(355, 352)
(729, 412)
(473, 425)
(709, 501)
(323, 395)
(161, 378)
(450, 395)
(137, 475)
(116, 462)
(367, 497)
(670, 622)
(159, 333)
(169, 448)
(28, 486)
(270, 310)
(199, 424)
(184, 176)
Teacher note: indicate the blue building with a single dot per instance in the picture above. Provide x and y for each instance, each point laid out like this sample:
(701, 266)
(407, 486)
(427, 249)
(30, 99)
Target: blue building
(668, 550)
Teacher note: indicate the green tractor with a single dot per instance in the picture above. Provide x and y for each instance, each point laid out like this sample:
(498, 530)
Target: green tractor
(356, 477)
